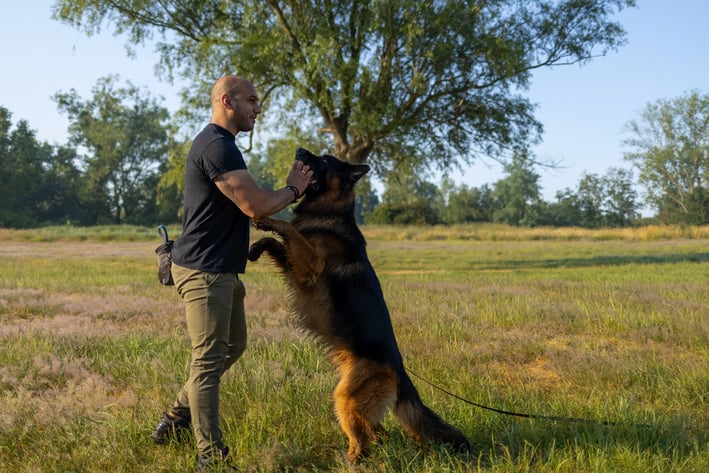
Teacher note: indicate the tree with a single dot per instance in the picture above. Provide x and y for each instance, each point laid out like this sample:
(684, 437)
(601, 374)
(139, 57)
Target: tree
(518, 194)
(608, 200)
(39, 184)
(620, 203)
(407, 200)
(61, 188)
(125, 137)
(565, 212)
(589, 198)
(21, 172)
(463, 204)
(670, 148)
(171, 183)
(393, 82)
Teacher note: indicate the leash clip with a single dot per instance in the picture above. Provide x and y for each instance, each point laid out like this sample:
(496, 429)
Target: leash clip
(162, 231)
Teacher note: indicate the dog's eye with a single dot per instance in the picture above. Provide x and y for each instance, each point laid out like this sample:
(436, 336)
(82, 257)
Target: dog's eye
(323, 162)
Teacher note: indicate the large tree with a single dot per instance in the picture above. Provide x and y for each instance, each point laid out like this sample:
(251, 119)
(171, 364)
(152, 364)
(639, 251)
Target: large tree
(395, 82)
(123, 132)
(669, 145)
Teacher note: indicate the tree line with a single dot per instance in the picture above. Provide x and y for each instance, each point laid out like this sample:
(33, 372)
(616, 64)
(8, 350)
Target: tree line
(610, 200)
(123, 164)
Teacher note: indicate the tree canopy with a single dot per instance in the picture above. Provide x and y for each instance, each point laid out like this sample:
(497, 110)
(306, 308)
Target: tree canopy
(21, 170)
(125, 136)
(394, 82)
(39, 183)
(669, 144)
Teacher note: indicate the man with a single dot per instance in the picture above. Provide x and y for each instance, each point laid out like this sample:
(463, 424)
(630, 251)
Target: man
(220, 199)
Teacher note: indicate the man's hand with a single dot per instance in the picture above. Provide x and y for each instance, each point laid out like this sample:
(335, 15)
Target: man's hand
(299, 176)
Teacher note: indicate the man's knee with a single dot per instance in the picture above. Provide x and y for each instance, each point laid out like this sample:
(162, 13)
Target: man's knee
(237, 349)
(234, 353)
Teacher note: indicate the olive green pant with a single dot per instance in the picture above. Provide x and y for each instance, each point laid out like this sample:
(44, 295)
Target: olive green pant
(216, 324)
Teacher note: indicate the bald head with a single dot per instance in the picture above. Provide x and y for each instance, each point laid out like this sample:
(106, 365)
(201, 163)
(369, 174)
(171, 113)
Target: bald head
(235, 104)
(229, 85)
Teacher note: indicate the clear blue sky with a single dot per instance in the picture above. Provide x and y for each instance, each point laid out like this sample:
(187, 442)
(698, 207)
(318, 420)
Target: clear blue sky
(583, 109)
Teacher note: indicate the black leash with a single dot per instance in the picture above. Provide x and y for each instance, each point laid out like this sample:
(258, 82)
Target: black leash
(516, 414)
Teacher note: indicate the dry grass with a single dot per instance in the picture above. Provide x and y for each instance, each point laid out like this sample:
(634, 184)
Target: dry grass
(491, 232)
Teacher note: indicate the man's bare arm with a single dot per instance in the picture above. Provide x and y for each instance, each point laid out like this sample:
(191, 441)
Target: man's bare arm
(240, 187)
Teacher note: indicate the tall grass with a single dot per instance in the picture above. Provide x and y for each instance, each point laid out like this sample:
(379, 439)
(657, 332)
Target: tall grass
(582, 325)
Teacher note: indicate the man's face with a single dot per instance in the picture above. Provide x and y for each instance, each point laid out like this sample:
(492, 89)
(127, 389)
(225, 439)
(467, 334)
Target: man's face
(245, 107)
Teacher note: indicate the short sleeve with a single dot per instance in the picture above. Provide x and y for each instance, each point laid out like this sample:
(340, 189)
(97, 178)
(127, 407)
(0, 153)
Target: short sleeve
(221, 156)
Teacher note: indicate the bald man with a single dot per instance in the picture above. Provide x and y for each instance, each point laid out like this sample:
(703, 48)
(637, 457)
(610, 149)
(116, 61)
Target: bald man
(221, 198)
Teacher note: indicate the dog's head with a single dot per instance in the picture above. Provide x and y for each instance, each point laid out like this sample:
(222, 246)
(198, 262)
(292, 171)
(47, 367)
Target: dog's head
(333, 180)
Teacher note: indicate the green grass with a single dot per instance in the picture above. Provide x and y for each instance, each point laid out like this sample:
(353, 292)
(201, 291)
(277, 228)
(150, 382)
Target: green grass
(606, 326)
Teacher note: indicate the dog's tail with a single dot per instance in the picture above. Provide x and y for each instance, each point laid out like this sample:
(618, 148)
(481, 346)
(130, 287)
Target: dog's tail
(420, 422)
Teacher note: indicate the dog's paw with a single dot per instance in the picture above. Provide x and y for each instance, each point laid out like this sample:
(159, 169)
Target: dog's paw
(255, 251)
(264, 225)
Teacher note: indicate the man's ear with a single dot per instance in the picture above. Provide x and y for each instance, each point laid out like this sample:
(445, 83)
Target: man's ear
(226, 101)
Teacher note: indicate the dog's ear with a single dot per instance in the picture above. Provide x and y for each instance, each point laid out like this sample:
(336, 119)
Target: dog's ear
(357, 171)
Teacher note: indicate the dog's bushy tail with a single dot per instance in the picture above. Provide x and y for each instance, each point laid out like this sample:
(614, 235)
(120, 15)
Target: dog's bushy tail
(420, 422)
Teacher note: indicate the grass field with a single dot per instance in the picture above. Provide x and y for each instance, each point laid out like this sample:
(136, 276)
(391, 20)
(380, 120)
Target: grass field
(607, 325)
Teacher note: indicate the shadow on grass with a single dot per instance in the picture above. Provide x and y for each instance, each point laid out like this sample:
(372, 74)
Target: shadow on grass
(601, 260)
(524, 443)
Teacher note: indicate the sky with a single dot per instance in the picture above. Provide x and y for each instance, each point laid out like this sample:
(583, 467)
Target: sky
(583, 108)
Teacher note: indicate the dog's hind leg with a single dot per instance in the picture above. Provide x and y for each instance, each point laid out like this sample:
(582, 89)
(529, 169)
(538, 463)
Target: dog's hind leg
(365, 392)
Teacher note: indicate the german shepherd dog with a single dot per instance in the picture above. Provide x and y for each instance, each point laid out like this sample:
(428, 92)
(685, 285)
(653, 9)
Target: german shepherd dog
(337, 297)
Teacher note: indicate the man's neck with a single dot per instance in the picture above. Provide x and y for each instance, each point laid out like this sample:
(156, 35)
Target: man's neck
(224, 124)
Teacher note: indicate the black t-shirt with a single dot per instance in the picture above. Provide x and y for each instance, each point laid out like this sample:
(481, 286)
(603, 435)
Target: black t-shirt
(215, 233)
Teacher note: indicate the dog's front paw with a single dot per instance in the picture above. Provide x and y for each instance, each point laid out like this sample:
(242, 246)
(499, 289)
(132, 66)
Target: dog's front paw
(255, 251)
(264, 225)
(265, 245)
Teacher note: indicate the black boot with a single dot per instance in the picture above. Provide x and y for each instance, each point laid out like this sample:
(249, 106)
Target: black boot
(170, 425)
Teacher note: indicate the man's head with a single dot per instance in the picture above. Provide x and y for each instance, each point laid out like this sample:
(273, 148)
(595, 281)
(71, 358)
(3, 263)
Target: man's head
(235, 104)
